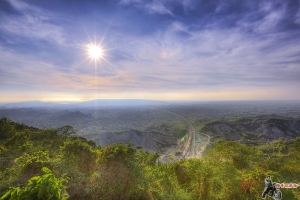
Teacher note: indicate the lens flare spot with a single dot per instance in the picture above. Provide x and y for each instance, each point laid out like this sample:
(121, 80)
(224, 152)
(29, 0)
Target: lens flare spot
(95, 51)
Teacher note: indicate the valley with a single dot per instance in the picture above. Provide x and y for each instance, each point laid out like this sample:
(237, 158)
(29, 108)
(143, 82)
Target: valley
(174, 130)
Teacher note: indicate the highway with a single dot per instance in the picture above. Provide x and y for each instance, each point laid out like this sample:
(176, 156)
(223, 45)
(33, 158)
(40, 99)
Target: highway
(189, 148)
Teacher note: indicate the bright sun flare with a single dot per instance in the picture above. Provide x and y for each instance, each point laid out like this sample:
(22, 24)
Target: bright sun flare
(95, 52)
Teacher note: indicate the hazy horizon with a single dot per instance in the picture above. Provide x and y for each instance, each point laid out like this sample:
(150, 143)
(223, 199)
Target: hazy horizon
(154, 100)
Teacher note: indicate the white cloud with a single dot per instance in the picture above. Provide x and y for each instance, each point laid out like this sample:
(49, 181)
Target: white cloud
(32, 24)
(189, 4)
(152, 7)
(269, 23)
(158, 7)
(213, 59)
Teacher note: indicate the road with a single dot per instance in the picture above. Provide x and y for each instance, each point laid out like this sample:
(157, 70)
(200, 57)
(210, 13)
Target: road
(200, 153)
(189, 148)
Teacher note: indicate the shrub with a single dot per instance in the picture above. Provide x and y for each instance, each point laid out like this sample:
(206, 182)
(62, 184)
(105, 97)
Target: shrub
(46, 186)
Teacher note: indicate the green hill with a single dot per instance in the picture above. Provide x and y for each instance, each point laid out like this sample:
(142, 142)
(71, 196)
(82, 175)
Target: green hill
(57, 164)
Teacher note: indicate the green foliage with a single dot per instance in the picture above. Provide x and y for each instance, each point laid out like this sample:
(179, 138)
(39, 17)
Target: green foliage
(228, 170)
(6, 129)
(46, 186)
(118, 151)
(26, 160)
(163, 184)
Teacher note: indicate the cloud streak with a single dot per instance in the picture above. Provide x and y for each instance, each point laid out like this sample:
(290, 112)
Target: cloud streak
(31, 24)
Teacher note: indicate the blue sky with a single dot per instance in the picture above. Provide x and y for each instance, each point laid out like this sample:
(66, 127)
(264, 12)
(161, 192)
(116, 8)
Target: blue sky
(164, 50)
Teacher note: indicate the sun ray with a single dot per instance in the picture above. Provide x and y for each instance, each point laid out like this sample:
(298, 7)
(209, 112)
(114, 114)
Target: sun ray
(96, 54)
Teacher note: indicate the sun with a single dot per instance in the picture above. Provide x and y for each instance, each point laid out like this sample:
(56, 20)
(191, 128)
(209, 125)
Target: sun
(95, 51)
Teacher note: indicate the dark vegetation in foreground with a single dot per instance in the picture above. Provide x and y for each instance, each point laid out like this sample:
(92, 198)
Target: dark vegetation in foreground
(57, 164)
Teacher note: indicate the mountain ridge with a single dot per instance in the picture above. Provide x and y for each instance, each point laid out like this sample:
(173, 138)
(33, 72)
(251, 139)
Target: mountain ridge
(248, 130)
(84, 104)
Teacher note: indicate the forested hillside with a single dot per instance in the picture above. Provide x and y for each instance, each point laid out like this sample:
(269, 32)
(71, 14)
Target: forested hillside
(254, 130)
(57, 164)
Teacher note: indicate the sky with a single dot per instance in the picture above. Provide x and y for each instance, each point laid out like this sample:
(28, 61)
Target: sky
(159, 50)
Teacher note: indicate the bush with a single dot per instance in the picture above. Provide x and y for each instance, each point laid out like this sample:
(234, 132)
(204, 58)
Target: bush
(46, 186)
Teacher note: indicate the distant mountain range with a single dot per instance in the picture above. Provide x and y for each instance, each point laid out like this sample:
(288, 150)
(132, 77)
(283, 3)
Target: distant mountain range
(254, 129)
(93, 103)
